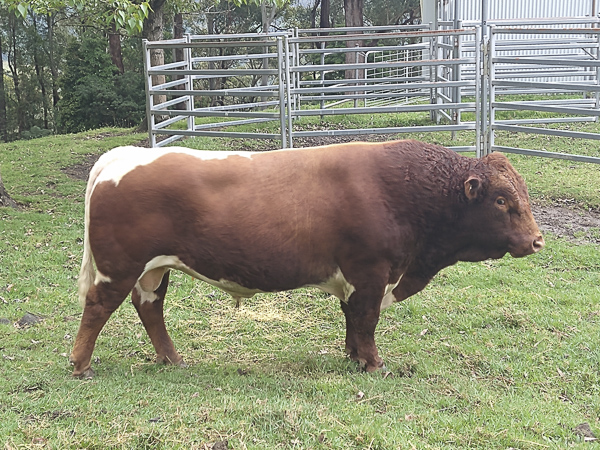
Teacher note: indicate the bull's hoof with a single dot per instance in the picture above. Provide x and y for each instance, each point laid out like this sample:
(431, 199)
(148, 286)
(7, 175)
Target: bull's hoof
(86, 374)
(179, 362)
(379, 368)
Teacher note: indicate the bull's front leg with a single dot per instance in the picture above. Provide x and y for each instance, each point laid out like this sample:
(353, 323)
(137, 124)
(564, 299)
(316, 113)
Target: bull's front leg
(362, 316)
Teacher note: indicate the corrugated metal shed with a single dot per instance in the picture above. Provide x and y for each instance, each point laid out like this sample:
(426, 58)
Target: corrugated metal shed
(470, 10)
(520, 13)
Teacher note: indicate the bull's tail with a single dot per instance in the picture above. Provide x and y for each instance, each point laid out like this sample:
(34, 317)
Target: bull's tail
(87, 273)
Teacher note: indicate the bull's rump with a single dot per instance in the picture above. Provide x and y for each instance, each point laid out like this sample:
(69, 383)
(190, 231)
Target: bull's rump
(266, 221)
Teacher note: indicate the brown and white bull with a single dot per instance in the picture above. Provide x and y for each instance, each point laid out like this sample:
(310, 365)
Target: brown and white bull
(370, 223)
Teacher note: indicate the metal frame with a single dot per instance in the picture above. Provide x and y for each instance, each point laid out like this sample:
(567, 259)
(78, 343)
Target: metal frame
(282, 77)
(507, 77)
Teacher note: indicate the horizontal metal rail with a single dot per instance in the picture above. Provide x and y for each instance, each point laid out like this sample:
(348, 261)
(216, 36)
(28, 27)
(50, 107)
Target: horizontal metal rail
(546, 154)
(544, 108)
(547, 131)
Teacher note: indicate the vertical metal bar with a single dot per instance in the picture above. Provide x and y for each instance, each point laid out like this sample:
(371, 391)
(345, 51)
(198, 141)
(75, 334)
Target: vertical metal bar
(484, 18)
(282, 122)
(288, 89)
(478, 102)
(189, 82)
(597, 55)
(484, 92)
(432, 70)
(149, 102)
(322, 62)
(456, 76)
(492, 90)
(296, 75)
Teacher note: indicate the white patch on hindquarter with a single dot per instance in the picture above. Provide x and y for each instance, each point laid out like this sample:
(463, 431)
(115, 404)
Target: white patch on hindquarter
(173, 262)
(101, 278)
(115, 164)
(337, 285)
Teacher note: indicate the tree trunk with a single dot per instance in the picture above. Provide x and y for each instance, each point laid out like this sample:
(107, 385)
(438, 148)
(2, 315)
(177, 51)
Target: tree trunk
(114, 48)
(153, 31)
(13, 62)
(353, 13)
(5, 199)
(52, 61)
(178, 54)
(39, 71)
(3, 115)
(325, 13)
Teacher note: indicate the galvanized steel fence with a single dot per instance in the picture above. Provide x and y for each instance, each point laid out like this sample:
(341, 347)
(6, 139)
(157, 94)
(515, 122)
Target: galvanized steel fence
(229, 85)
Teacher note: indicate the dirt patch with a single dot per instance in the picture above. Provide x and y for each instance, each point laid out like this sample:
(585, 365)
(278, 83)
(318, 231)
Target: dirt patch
(81, 171)
(568, 222)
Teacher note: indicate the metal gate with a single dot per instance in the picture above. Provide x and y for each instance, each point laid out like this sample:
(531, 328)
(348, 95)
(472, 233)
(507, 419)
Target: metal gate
(269, 86)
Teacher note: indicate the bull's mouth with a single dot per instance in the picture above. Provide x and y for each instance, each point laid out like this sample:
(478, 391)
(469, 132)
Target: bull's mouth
(529, 249)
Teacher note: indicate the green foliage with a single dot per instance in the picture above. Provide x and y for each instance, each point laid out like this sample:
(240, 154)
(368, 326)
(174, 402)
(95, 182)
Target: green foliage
(94, 94)
(126, 14)
(35, 133)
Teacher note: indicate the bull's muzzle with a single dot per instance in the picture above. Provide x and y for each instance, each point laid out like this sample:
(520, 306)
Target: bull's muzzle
(538, 243)
(528, 248)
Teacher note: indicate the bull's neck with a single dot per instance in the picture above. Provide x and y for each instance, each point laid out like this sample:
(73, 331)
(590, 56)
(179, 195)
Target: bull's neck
(428, 196)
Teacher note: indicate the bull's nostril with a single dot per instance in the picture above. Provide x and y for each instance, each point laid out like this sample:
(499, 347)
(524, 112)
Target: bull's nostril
(538, 244)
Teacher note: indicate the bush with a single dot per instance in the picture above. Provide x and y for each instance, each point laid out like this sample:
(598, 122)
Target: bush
(94, 94)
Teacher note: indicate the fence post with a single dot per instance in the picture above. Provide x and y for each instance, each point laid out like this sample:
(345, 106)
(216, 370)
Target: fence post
(485, 81)
(492, 88)
(478, 80)
(189, 85)
(149, 98)
(282, 89)
(289, 85)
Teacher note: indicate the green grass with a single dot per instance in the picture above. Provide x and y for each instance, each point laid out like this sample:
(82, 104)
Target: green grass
(499, 354)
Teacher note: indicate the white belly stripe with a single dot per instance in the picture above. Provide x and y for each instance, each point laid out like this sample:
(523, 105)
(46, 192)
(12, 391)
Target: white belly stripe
(336, 285)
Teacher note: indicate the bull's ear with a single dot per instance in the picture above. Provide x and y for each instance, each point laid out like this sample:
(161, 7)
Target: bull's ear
(473, 188)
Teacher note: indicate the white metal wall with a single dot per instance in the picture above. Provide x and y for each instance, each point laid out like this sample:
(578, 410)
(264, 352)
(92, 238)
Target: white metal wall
(470, 10)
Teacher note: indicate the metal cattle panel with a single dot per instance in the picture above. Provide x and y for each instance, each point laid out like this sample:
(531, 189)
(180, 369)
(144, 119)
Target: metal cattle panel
(224, 81)
(230, 85)
(376, 71)
(511, 74)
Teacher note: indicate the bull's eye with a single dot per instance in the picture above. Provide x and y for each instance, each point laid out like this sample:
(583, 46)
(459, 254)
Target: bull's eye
(500, 201)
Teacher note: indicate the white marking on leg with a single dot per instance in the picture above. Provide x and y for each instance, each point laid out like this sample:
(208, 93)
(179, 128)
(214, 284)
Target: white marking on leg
(388, 296)
(145, 296)
(337, 285)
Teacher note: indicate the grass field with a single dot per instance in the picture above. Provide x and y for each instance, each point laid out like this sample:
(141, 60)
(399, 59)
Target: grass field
(493, 355)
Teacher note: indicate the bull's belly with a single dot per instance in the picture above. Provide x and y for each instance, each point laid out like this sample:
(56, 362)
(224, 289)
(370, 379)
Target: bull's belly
(335, 284)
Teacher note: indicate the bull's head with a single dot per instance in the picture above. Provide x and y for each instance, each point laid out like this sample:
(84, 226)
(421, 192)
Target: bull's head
(499, 203)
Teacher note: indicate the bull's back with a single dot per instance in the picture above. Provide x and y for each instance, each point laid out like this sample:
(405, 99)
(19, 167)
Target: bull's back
(272, 219)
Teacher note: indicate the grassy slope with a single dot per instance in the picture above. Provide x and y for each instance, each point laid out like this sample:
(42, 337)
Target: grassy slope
(491, 355)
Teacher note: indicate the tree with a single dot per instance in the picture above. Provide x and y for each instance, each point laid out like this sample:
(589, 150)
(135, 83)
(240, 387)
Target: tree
(3, 116)
(5, 199)
(94, 93)
(353, 13)
(153, 31)
(126, 14)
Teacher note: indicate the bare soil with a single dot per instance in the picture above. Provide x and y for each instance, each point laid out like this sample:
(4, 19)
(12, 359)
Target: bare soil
(561, 219)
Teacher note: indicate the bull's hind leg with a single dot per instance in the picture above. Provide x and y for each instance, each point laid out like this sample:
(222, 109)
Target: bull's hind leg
(148, 301)
(101, 301)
